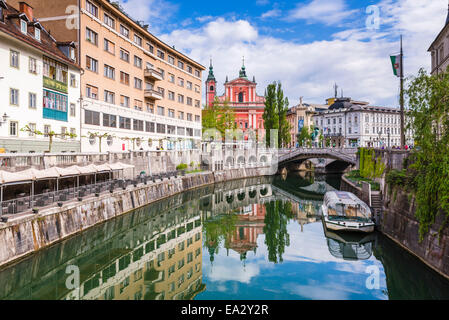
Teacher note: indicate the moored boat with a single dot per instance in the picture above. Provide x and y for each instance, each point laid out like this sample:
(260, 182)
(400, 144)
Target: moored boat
(343, 211)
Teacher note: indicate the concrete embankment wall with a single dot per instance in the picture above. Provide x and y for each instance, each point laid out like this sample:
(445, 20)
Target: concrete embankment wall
(400, 224)
(27, 234)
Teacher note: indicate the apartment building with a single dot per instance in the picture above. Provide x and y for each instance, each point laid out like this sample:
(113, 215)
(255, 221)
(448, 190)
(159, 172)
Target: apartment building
(39, 86)
(439, 50)
(350, 123)
(138, 93)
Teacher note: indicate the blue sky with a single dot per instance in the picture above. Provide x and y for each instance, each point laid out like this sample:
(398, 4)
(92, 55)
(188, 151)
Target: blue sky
(308, 45)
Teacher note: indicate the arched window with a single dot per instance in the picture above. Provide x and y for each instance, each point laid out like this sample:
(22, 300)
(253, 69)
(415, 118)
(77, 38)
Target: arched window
(211, 88)
(241, 97)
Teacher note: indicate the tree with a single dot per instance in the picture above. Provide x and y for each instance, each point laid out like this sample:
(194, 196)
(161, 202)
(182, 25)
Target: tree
(284, 137)
(428, 119)
(51, 135)
(218, 116)
(304, 137)
(99, 136)
(270, 115)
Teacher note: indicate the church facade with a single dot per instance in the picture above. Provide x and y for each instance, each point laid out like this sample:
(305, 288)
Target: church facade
(241, 96)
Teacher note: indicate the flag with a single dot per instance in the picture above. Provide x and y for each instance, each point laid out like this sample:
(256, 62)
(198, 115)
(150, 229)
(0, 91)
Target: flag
(396, 62)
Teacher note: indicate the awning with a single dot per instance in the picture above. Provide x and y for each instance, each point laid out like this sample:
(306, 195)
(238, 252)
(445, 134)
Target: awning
(90, 169)
(14, 177)
(40, 174)
(103, 168)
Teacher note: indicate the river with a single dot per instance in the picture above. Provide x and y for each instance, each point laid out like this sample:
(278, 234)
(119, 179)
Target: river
(260, 238)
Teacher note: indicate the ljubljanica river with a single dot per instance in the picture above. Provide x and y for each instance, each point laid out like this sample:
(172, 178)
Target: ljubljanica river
(259, 238)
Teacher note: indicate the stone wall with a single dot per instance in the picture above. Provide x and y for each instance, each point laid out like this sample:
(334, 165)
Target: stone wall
(27, 234)
(400, 224)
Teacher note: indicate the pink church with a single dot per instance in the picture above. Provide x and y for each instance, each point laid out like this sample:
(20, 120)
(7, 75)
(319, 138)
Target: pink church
(242, 97)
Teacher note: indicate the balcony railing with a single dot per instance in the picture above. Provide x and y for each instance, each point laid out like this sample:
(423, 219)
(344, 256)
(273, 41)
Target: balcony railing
(153, 74)
(153, 94)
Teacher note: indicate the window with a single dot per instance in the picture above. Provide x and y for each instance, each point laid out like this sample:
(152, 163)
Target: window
(181, 131)
(161, 91)
(109, 46)
(14, 59)
(92, 92)
(197, 103)
(109, 120)
(197, 89)
(91, 8)
(73, 132)
(189, 101)
(47, 130)
(124, 31)
(171, 78)
(180, 98)
(181, 115)
(138, 125)
(171, 113)
(14, 97)
(149, 126)
(162, 72)
(197, 119)
(124, 78)
(171, 95)
(197, 74)
(109, 72)
(33, 65)
(181, 82)
(124, 55)
(110, 22)
(92, 117)
(160, 128)
(23, 26)
(32, 131)
(189, 69)
(160, 54)
(150, 47)
(125, 123)
(137, 40)
(124, 101)
(109, 97)
(189, 117)
(241, 97)
(171, 60)
(13, 128)
(55, 70)
(37, 34)
(63, 132)
(138, 83)
(32, 100)
(91, 64)
(161, 111)
(138, 105)
(91, 36)
(73, 82)
(72, 110)
(137, 62)
(181, 65)
(189, 85)
(150, 108)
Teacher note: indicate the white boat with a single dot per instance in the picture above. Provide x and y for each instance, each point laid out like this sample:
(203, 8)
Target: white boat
(343, 211)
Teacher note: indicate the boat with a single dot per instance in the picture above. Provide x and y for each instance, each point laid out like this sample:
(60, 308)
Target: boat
(350, 246)
(343, 211)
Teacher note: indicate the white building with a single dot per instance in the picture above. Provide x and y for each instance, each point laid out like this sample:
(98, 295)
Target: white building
(39, 86)
(349, 123)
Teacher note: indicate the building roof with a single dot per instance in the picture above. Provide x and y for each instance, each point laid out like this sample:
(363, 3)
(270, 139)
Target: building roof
(441, 32)
(47, 45)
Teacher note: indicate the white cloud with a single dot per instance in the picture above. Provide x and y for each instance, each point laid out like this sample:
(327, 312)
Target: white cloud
(271, 14)
(357, 59)
(329, 12)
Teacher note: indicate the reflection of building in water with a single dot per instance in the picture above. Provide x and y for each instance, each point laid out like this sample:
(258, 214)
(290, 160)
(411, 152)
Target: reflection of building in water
(165, 266)
(304, 213)
(251, 221)
(349, 246)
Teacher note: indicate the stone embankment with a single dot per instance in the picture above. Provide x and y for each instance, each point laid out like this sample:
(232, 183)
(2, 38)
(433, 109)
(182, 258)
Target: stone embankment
(25, 235)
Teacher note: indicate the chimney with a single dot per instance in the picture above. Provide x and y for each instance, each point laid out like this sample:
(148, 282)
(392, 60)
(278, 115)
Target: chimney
(27, 9)
(300, 101)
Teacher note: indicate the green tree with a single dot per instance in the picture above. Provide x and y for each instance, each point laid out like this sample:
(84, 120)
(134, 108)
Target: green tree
(51, 135)
(284, 137)
(304, 137)
(270, 115)
(428, 118)
(219, 116)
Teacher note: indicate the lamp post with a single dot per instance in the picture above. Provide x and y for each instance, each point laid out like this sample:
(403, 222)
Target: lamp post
(380, 136)
(388, 132)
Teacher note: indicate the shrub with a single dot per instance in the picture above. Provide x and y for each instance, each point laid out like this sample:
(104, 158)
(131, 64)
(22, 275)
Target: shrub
(182, 166)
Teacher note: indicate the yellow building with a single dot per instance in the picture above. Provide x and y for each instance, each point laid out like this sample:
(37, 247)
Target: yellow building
(136, 90)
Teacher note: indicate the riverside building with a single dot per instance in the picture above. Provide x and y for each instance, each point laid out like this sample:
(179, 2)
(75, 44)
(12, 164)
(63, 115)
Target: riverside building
(439, 50)
(350, 123)
(138, 93)
(39, 85)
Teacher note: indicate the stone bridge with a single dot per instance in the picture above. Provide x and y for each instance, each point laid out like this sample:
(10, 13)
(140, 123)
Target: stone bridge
(348, 155)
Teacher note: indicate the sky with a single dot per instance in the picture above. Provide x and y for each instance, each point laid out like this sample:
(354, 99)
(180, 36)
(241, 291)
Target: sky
(307, 45)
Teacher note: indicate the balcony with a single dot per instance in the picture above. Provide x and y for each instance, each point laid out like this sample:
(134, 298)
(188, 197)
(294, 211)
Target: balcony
(153, 95)
(152, 74)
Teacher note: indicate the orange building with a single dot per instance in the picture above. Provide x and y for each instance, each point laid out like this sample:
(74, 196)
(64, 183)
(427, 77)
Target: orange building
(137, 91)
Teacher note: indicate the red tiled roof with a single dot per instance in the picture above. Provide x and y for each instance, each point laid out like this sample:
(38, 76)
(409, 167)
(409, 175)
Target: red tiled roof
(47, 44)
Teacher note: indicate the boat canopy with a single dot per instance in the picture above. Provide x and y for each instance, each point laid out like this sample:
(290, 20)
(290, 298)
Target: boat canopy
(346, 205)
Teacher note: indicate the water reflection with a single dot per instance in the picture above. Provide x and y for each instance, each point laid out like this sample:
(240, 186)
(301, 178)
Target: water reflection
(251, 239)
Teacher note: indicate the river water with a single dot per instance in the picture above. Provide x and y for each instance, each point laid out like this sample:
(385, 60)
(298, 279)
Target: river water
(260, 238)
